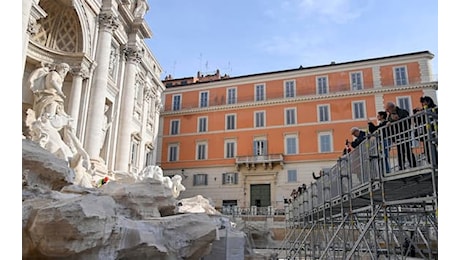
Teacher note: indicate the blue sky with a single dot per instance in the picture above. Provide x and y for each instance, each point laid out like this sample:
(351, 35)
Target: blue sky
(254, 36)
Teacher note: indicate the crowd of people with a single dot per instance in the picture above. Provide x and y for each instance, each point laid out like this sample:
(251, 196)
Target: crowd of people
(398, 131)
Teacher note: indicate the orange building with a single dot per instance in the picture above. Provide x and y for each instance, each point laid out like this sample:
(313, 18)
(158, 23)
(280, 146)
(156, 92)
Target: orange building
(250, 140)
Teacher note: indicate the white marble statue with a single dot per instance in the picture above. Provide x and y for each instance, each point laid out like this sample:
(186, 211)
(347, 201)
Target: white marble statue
(197, 204)
(141, 8)
(156, 173)
(51, 127)
(177, 186)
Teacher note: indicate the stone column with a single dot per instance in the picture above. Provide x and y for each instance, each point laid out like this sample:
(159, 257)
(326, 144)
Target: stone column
(79, 74)
(133, 55)
(108, 23)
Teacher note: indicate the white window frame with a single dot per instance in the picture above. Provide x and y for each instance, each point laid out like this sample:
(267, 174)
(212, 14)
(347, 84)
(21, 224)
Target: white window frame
(286, 147)
(290, 116)
(174, 105)
(397, 75)
(227, 116)
(199, 124)
(201, 147)
(149, 159)
(356, 86)
(204, 103)
(259, 115)
(290, 93)
(176, 147)
(353, 108)
(256, 92)
(320, 146)
(326, 82)
(231, 99)
(404, 99)
(171, 132)
(226, 150)
(320, 113)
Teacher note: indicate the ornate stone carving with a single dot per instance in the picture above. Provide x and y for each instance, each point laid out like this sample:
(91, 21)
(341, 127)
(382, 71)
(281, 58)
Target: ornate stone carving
(33, 27)
(108, 21)
(133, 53)
(81, 71)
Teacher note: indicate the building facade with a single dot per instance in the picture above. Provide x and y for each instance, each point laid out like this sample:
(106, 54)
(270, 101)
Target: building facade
(250, 140)
(113, 89)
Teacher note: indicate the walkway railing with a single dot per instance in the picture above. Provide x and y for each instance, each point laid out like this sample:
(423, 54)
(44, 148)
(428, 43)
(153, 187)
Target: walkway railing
(361, 206)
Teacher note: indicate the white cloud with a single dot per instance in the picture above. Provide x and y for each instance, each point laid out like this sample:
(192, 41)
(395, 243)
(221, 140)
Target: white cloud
(336, 11)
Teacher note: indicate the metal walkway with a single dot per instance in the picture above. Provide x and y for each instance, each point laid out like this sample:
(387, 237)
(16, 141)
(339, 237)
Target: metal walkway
(357, 210)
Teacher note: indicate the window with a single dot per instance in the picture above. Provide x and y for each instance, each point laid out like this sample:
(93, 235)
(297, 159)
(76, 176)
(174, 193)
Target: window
(173, 153)
(230, 178)
(289, 89)
(323, 113)
(204, 99)
(231, 96)
(291, 144)
(358, 110)
(260, 147)
(174, 127)
(230, 122)
(201, 151)
(404, 103)
(149, 160)
(400, 76)
(200, 179)
(202, 124)
(356, 81)
(292, 175)
(321, 85)
(139, 93)
(325, 142)
(230, 146)
(259, 119)
(260, 92)
(134, 151)
(290, 118)
(176, 102)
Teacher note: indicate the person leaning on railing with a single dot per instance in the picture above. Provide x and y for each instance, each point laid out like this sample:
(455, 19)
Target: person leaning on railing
(426, 120)
(382, 119)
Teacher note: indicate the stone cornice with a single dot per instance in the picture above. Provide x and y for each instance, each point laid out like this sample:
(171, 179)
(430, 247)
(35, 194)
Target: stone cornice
(300, 99)
(43, 54)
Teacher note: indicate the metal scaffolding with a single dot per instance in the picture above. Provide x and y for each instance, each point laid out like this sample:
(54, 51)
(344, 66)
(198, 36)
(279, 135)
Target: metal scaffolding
(358, 210)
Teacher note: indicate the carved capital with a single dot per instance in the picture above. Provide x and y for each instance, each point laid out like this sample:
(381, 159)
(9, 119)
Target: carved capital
(108, 21)
(133, 54)
(33, 27)
(81, 71)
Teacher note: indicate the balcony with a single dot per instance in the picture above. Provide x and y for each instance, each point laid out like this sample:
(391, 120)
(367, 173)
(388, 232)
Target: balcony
(268, 161)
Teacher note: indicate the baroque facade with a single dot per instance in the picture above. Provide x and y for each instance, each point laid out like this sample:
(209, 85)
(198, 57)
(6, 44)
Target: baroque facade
(113, 89)
(250, 140)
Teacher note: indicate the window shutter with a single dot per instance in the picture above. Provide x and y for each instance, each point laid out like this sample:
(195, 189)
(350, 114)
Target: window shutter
(236, 178)
(205, 179)
(223, 178)
(255, 148)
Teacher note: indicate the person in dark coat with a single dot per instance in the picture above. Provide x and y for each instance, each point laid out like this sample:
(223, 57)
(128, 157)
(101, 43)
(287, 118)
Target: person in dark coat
(426, 124)
(383, 139)
(360, 136)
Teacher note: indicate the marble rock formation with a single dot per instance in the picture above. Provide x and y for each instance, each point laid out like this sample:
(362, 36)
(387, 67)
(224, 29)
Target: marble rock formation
(120, 220)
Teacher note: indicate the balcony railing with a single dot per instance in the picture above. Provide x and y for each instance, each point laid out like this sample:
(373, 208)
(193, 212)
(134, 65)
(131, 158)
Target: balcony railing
(266, 160)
